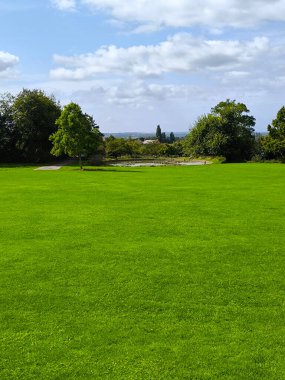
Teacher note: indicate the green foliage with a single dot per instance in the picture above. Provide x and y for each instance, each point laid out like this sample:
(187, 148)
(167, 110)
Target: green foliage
(26, 121)
(153, 150)
(273, 145)
(277, 129)
(178, 148)
(77, 134)
(158, 133)
(143, 274)
(7, 130)
(227, 131)
(162, 138)
(171, 138)
(118, 147)
(34, 116)
(205, 139)
(158, 150)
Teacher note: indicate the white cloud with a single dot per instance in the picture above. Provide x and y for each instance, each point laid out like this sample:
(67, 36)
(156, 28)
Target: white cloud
(180, 53)
(139, 93)
(146, 104)
(182, 76)
(65, 5)
(7, 62)
(186, 13)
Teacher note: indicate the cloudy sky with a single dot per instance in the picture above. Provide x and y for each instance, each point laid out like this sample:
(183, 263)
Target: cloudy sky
(136, 64)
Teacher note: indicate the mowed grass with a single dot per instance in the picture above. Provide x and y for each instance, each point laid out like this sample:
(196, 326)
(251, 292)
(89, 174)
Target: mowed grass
(146, 273)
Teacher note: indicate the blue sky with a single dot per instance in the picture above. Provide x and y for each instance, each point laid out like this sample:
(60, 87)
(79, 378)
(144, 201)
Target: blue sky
(134, 65)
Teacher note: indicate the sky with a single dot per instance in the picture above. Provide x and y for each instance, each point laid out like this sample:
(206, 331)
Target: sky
(136, 64)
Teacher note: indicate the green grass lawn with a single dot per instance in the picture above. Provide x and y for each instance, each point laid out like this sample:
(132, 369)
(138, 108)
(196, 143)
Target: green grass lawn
(145, 273)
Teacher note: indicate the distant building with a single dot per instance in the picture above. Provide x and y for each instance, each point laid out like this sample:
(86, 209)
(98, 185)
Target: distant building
(148, 142)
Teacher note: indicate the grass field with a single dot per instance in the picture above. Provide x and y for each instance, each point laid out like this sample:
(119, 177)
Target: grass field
(146, 273)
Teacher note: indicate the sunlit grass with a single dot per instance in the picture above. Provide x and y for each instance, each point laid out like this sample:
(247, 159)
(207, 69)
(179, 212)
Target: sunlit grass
(145, 273)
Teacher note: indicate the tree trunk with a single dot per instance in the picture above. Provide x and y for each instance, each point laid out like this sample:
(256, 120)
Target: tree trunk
(80, 162)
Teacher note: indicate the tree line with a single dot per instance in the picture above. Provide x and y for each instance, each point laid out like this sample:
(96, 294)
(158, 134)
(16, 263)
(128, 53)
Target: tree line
(227, 131)
(35, 128)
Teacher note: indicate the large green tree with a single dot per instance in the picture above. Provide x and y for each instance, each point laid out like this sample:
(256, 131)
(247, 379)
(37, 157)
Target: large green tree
(77, 134)
(227, 131)
(273, 145)
(34, 116)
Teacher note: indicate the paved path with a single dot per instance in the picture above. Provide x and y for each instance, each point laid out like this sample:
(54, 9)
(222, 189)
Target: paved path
(57, 167)
(52, 167)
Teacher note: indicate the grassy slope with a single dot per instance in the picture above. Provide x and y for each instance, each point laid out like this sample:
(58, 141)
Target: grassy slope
(148, 273)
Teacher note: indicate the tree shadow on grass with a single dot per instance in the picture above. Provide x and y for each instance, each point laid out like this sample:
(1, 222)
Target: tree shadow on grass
(7, 166)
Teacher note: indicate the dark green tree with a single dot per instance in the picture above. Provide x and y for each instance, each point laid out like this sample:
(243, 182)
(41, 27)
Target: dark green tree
(158, 133)
(34, 116)
(163, 138)
(8, 151)
(77, 134)
(227, 131)
(171, 138)
(273, 145)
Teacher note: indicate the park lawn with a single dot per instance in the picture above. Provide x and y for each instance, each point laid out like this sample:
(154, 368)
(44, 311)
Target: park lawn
(145, 273)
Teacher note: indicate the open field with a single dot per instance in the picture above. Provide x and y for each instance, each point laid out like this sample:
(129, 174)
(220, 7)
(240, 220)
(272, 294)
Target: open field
(143, 273)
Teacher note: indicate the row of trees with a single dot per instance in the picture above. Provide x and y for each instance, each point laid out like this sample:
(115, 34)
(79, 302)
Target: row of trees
(118, 147)
(34, 128)
(162, 138)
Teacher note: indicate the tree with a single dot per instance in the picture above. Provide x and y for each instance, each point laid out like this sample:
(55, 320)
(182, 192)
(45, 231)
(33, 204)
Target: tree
(133, 147)
(34, 116)
(273, 145)
(178, 148)
(116, 147)
(227, 131)
(171, 138)
(77, 134)
(7, 136)
(158, 133)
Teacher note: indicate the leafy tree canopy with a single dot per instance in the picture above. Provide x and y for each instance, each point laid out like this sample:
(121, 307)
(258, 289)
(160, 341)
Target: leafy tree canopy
(34, 116)
(7, 137)
(226, 131)
(277, 129)
(77, 134)
(273, 145)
